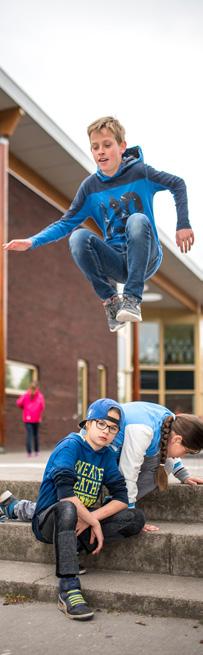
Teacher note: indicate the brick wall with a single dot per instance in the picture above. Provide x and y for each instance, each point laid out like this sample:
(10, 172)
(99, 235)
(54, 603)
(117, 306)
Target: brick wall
(54, 318)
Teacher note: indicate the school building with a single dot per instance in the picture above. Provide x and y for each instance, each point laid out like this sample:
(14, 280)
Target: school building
(52, 325)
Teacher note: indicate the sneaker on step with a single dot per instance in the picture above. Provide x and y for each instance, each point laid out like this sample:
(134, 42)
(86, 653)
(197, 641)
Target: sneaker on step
(71, 601)
(7, 504)
(111, 308)
(82, 569)
(130, 310)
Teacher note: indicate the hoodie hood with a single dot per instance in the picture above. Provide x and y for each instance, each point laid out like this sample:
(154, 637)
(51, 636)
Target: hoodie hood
(130, 157)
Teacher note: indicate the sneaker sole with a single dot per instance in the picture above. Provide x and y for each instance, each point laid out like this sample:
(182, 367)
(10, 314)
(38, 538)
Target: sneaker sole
(79, 617)
(117, 327)
(124, 316)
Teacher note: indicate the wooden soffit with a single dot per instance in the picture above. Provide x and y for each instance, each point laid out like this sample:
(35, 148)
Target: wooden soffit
(173, 290)
(9, 119)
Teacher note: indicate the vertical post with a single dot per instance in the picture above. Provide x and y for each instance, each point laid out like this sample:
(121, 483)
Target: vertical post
(3, 278)
(136, 367)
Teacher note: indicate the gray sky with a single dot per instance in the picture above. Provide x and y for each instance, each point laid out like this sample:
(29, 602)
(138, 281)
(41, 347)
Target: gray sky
(140, 61)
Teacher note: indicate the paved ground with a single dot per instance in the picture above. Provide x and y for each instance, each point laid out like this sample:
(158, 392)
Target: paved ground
(17, 466)
(38, 628)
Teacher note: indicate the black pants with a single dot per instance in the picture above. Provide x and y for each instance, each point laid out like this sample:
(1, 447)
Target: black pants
(57, 525)
(32, 437)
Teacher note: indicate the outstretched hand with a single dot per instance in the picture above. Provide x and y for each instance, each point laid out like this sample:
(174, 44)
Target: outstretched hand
(193, 480)
(185, 239)
(18, 244)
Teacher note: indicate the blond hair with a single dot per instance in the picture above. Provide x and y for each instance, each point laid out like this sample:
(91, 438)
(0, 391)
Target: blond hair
(110, 123)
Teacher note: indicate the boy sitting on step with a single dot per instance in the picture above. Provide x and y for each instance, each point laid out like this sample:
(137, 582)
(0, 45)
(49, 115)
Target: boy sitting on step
(150, 444)
(65, 511)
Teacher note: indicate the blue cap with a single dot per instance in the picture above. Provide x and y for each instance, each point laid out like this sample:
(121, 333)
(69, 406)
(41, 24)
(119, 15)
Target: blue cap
(99, 410)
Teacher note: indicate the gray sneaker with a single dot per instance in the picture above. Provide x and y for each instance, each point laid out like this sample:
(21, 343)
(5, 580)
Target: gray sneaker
(129, 310)
(111, 308)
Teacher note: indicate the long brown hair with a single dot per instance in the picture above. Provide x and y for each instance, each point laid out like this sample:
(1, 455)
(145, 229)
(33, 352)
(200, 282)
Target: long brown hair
(190, 427)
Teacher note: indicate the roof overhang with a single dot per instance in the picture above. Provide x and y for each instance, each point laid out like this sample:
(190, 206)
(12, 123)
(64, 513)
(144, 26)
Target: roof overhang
(41, 145)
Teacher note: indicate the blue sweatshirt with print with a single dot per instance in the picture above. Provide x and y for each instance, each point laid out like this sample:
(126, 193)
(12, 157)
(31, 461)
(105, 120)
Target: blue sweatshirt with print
(111, 200)
(75, 469)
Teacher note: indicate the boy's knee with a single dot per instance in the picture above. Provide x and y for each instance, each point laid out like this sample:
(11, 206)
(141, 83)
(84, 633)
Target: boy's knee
(137, 224)
(137, 520)
(140, 518)
(77, 241)
(65, 515)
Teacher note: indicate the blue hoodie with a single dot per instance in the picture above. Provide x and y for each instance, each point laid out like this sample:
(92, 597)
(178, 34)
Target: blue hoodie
(75, 469)
(111, 200)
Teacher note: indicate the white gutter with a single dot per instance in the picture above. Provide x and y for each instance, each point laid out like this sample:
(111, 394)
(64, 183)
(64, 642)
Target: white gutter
(30, 107)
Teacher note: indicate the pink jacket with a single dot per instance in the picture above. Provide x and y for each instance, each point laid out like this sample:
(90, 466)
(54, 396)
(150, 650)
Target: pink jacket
(32, 406)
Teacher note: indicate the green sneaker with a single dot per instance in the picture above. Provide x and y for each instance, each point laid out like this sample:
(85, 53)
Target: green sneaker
(71, 601)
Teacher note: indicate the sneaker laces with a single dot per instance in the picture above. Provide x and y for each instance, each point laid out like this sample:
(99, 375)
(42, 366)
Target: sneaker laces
(111, 306)
(75, 597)
(128, 301)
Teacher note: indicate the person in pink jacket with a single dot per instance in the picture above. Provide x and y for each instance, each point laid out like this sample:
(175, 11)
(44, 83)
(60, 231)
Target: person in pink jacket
(33, 404)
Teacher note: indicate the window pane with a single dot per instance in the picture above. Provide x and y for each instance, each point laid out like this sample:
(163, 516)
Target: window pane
(179, 344)
(179, 379)
(19, 376)
(150, 398)
(149, 339)
(149, 379)
(180, 404)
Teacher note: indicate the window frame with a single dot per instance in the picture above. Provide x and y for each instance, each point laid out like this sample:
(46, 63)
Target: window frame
(11, 391)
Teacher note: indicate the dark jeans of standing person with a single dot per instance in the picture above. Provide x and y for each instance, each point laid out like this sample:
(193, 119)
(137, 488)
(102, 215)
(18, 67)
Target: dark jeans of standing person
(58, 523)
(32, 437)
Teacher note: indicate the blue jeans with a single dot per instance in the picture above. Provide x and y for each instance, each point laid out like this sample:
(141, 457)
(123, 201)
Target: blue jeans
(32, 436)
(131, 264)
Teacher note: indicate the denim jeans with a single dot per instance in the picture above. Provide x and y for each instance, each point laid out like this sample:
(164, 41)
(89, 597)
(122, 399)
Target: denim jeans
(57, 524)
(32, 437)
(130, 264)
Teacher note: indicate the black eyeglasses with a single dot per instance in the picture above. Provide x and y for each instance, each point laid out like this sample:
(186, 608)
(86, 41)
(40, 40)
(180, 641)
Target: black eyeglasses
(102, 425)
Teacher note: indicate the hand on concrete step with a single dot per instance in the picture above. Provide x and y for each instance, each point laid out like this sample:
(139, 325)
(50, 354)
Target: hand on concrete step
(150, 528)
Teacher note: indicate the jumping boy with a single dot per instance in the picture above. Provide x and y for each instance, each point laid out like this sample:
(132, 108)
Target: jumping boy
(119, 197)
(65, 512)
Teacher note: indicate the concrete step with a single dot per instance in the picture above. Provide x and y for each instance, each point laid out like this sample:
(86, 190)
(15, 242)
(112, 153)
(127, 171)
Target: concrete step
(21, 488)
(178, 503)
(158, 595)
(177, 549)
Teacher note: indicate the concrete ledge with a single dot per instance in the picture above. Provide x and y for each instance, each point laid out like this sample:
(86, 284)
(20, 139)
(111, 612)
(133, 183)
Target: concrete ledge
(21, 488)
(177, 549)
(178, 503)
(146, 594)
